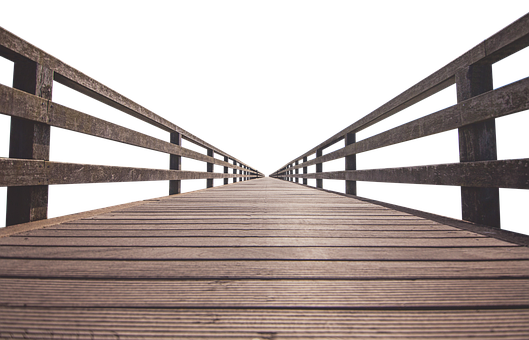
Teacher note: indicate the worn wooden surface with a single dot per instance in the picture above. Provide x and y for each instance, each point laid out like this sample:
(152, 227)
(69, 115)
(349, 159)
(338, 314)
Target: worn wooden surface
(261, 259)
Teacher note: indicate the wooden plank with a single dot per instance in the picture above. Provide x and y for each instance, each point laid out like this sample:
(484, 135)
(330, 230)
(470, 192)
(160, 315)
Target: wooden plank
(264, 269)
(134, 323)
(266, 253)
(253, 241)
(249, 232)
(258, 217)
(300, 294)
(293, 224)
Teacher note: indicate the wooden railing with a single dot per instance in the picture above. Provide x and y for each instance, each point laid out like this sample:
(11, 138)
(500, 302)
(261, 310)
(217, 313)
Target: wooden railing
(479, 173)
(28, 172)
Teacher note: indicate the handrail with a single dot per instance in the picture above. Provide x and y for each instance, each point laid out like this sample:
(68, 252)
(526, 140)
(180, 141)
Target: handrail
(28, 172)
(478, 106)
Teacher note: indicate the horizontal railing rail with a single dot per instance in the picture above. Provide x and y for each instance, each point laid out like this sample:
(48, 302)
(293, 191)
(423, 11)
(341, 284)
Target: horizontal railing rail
(28, 172)
(479, 173)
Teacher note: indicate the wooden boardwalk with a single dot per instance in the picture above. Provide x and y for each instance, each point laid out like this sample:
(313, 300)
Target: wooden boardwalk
(261, 259)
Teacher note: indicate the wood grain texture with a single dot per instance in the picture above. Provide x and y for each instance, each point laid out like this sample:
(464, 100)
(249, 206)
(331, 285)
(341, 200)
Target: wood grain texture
(265, 259)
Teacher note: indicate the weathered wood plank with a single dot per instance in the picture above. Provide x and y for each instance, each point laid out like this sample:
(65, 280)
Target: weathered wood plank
(252, 241)
(267, 253)
(264, 269)
(249, 232)
(288, 224)
(337, 294)
(258, 217)
(131, 323)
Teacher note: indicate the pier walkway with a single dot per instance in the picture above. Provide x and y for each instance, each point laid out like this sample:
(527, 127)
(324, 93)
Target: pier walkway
(261, 259)
(264, 257)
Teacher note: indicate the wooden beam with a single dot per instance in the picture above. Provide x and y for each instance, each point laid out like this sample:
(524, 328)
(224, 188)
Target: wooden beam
(209, 182)
(350, 164)
(175, 186)
(226, 159)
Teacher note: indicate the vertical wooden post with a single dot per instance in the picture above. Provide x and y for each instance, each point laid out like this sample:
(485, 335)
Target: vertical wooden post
(209, 169)
(350, 164)
(297, 172)
(477, 142)
(175, 163)
(305, 171)
(319, 168)
(234, 172)
(29, 140)
(225, 171)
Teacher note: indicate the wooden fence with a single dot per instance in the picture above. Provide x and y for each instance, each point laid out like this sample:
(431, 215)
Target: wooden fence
(28, 172)
(479, 173)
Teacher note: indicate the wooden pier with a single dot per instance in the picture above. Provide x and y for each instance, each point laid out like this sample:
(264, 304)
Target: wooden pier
(261, 259)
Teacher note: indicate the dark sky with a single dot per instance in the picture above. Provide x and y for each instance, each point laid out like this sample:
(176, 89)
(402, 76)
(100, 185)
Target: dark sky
(263, 84)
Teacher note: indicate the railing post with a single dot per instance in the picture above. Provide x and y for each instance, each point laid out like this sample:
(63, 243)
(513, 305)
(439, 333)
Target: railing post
(297, 172)
(235, 172)
(305, 171)
(319, 168)
(175, 162)
(209, 183)
(29, 140)
(477, 142)
(33, 78)
(226, 159)
(350, 164)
